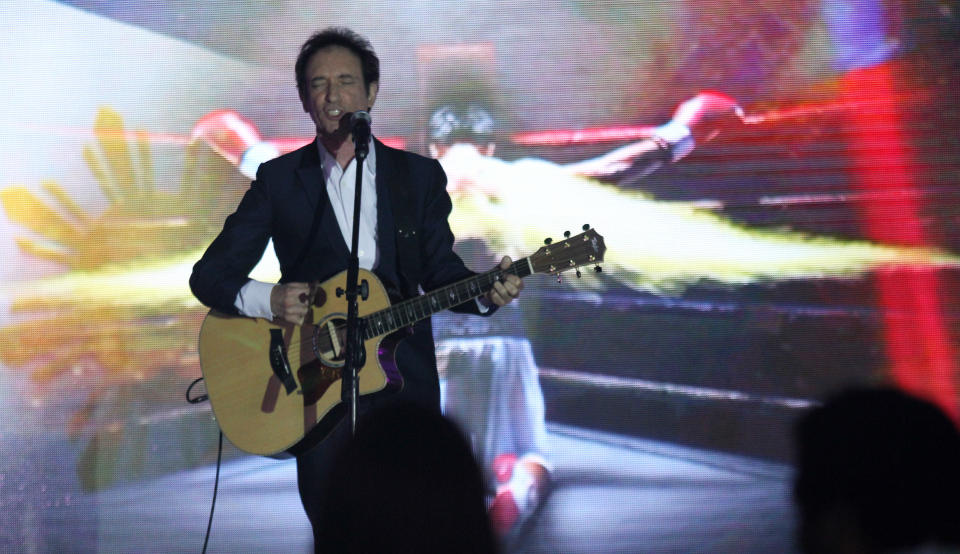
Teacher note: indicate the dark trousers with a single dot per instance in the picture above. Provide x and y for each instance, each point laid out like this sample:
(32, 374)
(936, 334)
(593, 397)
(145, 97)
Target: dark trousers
(313, 474)
(415, 355)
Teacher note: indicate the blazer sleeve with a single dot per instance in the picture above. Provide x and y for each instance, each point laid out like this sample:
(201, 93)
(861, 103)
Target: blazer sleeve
(222, 271)
(441, 265)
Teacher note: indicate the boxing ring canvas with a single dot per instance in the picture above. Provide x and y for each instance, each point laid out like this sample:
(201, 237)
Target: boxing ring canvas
(807, 244)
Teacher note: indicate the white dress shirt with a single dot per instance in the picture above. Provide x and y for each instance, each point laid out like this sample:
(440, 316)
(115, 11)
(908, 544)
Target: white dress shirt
(253, 300)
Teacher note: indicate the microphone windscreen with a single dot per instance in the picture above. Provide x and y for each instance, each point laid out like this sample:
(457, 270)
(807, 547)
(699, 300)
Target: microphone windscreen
(360, 117)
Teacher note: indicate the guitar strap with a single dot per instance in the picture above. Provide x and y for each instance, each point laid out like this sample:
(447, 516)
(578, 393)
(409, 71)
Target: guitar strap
(408, 243)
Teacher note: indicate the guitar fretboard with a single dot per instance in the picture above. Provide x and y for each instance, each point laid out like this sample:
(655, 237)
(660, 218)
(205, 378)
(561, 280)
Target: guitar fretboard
(410, 311)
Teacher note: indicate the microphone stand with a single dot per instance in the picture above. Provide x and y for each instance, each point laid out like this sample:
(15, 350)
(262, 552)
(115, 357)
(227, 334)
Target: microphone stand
(354, 355)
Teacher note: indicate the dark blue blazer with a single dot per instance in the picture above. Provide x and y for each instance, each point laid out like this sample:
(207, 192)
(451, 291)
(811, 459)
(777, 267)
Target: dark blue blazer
(288, 202)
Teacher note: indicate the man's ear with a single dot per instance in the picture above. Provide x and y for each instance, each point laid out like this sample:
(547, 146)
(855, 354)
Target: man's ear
(372, 94)
(304, 102)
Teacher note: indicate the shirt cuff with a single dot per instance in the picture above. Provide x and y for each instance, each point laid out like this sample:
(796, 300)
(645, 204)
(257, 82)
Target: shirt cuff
(253, 300)
(678, 136)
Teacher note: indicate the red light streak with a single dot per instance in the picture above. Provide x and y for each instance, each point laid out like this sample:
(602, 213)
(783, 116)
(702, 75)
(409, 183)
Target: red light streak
(921, 356)
(564, 137)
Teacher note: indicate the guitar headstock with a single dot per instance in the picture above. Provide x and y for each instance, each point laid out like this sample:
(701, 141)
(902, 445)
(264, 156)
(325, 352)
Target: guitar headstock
(587, 248)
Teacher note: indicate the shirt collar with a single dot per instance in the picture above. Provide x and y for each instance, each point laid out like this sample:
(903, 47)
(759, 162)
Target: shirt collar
(329, 162)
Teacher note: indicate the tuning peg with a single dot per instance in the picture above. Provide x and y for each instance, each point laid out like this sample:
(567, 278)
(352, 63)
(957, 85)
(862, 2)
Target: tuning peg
(598, 269)
(558, 277)
(566, 234)
(547, 240)
(586, 226)
(578, 273)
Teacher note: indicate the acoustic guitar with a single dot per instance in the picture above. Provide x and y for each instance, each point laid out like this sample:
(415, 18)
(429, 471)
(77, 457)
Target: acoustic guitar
(275, 387)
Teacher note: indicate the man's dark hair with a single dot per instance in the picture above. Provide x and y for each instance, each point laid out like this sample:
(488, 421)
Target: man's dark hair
(346, 38)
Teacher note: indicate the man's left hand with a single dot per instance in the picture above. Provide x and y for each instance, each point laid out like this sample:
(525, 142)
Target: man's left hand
(503, 292)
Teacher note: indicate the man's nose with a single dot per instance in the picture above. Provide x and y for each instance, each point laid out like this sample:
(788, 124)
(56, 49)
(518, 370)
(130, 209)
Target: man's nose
(332, 94)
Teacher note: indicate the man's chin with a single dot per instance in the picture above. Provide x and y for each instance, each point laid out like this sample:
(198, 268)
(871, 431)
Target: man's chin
(337, 135)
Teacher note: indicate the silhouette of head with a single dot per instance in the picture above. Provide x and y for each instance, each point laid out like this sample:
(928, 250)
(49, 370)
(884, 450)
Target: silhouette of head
(407, 482)
(878, 470)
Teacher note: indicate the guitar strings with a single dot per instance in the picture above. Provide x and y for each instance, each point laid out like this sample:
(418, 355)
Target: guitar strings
(573, 249)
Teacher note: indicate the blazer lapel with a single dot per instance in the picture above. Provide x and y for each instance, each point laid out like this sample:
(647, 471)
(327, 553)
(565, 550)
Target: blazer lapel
(386, 180)
(314, 185)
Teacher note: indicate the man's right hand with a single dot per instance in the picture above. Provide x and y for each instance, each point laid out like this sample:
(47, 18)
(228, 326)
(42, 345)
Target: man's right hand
(289, 302)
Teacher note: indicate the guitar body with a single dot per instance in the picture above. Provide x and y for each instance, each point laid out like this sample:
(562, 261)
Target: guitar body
(264, 410)
(275, 387)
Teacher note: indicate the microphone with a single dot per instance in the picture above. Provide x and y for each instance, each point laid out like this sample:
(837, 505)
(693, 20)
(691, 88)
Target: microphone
(360, 129)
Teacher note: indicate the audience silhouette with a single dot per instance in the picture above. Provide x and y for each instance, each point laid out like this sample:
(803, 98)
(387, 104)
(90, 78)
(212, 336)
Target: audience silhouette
(406, 482)
(878, 471)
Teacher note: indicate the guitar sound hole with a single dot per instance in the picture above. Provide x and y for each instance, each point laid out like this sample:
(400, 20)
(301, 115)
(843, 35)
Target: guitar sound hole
(329, 339)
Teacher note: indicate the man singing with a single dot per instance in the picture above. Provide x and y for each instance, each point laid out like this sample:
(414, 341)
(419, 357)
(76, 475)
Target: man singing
(304, 202)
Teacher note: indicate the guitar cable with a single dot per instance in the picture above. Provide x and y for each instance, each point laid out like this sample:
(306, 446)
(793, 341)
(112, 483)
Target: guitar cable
(216, 480)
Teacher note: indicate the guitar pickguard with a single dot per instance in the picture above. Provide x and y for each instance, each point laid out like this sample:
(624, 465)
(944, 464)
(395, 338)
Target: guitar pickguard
(315, 378)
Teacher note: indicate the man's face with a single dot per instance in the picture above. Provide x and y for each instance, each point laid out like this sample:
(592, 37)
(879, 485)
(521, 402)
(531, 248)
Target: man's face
(335, 88)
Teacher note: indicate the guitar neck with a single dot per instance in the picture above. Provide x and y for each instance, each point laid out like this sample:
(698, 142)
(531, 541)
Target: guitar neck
(570, 253)
(410, 311)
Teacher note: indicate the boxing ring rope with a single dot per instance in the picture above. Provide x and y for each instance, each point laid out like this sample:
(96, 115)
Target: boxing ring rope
(607, 381)
(546, 137)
